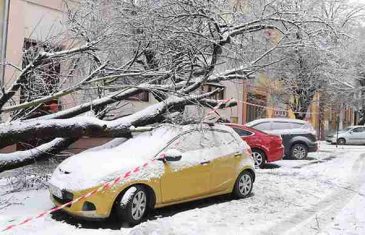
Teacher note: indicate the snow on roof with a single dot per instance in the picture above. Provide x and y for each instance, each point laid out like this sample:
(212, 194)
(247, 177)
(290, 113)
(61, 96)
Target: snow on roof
(254, 122)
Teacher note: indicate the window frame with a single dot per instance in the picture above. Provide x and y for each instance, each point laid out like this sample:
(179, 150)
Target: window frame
(251, 133)
(270, 123)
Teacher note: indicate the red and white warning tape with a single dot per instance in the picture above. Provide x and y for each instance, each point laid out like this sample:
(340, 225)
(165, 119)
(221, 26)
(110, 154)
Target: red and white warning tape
(215, 108)
(103, 187)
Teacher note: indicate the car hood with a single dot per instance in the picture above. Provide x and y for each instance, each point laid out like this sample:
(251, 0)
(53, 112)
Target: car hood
(93, 168)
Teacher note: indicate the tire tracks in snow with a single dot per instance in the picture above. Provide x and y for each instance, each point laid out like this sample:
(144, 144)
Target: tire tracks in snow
(314, 219)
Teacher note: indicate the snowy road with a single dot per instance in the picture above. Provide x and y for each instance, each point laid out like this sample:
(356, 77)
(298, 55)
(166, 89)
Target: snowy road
(324, 194)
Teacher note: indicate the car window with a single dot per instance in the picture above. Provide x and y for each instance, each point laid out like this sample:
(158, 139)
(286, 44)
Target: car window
(241, 132)
(299, 125)
(189, 141)
(262, 126)
(281, 125)
(358, 129)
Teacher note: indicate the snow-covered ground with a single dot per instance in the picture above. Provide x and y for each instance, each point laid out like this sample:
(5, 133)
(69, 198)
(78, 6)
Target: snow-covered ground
(324, 194)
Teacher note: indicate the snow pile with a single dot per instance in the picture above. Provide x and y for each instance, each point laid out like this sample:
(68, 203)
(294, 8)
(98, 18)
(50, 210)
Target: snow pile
(128, 196)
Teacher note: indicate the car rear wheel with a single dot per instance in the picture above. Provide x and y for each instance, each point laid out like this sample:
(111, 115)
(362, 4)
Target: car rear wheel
(243, 185)
(132, 206)
(259, 157)
(341, 141)
(299, 151)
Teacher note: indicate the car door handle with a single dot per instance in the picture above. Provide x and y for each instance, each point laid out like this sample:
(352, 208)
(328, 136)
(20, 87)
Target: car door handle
(205, 163)
(237, 154)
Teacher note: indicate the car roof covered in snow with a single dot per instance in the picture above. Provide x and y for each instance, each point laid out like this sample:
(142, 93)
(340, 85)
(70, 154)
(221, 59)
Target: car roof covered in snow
(257, 121)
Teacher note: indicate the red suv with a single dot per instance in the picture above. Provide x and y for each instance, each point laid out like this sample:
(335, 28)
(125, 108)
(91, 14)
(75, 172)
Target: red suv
(265, 147)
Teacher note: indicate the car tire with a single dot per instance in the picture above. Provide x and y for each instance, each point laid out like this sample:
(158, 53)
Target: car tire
(132, 206)
(243, 186)
(341, 141)
(299, 151)
(259, 157)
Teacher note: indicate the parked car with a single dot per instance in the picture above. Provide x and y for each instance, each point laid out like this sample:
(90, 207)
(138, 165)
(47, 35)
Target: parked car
(349, 135)
(299, 137)
(265, 147)
(193, 162)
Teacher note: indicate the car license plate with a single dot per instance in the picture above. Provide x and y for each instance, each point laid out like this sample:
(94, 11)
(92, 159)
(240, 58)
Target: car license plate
(55, 191)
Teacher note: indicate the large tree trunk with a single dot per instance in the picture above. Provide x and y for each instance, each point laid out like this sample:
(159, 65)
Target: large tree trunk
(22, 158)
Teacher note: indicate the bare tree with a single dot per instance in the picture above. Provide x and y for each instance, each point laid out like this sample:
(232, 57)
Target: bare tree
(170, 48)
(319, 63)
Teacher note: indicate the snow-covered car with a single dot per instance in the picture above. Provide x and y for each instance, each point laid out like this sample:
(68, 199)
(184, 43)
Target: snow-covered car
(193, 162)
(349, 135)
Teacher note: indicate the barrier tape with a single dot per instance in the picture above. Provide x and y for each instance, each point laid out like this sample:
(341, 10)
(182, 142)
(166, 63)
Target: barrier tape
(103, 187)
(215, 108)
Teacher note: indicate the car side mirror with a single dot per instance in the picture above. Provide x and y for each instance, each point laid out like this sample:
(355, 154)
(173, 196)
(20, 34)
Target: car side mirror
(171, 155)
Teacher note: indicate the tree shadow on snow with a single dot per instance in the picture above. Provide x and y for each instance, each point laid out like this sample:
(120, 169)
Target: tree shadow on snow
(114, 224)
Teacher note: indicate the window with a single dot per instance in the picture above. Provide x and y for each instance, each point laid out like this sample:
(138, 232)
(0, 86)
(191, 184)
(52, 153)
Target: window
(241, 132)
(281, 125)
(142, 96)
(256, 106)
(358, 129)
(218, 138)
(299, 125)
(43, 80)
(188, 142)
(213, 86)
(263, 126)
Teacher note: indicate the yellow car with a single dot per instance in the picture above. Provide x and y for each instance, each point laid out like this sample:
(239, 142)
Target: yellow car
(194, 162)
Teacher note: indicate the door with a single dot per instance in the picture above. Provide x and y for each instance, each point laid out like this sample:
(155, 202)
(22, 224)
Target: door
(285, 130)
(356, 135)
(189, 177)
(225, 154)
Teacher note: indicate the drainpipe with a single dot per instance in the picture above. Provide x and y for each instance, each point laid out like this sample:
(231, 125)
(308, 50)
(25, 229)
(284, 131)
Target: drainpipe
(4, 42)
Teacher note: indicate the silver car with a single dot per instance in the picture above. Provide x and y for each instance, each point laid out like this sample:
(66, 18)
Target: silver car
(349, 135)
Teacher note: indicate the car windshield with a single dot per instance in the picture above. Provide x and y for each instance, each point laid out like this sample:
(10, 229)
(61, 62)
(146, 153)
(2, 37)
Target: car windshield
(347, 129)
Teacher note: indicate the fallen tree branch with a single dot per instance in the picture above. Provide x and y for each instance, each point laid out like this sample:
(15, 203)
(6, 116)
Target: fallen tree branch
(77, 127)
(22, 158)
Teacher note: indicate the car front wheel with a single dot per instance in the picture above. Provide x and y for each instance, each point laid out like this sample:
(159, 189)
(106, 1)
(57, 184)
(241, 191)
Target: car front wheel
(131, 207)
(243, 185)
(299, 151)
(341, 141)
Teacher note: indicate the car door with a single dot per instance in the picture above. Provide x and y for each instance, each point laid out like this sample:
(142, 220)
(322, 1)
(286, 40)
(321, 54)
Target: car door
(189, 177)
(284, 129)
(356, 135)
(225, 155)
(362, 136)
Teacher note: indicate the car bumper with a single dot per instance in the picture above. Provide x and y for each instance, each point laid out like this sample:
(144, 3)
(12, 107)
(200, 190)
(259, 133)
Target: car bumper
(313, 147)
(275, 154)
(102, 202)
(331, 140)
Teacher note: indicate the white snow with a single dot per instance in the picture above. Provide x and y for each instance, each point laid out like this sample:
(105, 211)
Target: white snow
(128, 195)
(324, 195)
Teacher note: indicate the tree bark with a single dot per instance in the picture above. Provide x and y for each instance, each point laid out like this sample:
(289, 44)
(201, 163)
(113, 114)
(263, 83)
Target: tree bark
(14, 132)
(22, 158)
